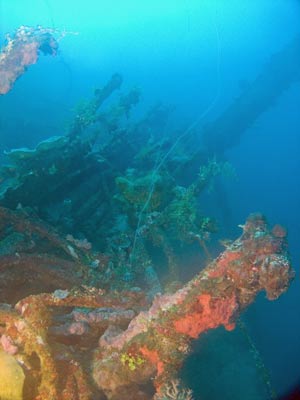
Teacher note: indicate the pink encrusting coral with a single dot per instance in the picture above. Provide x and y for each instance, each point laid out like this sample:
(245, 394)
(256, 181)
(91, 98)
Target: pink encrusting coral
(23, 50)
(90, 340)
(255, 262)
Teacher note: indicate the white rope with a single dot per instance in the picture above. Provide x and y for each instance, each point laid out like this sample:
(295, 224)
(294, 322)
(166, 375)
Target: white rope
(182, 136)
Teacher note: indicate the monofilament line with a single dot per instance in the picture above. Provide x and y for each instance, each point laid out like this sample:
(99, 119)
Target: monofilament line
(182, 136)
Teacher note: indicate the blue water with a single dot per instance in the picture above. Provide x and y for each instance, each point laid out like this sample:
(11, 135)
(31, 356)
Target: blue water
(197, 56)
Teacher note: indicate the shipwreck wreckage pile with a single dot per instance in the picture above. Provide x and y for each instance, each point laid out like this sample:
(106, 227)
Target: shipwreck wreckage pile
(82, 315)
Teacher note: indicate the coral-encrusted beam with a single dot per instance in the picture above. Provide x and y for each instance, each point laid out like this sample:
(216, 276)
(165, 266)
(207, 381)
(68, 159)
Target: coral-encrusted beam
(23, 50)
(156, 341)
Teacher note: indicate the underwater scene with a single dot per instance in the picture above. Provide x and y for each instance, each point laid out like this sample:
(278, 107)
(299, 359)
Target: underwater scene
(149, 200)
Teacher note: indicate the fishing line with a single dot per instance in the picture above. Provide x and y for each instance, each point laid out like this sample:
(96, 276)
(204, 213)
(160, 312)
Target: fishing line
(184, 134)
(69, 83)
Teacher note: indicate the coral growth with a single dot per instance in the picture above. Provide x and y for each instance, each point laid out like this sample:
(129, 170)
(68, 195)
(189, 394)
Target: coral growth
(254, 262)
(49, 333)
(80, 184)
(81, 310)
(172, 391)
(23, 50)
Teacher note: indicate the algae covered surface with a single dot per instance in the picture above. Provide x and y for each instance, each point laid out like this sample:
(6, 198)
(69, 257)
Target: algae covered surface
(149, 212)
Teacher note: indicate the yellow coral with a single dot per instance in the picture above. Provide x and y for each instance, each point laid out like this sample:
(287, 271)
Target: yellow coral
(131, 361)
(11, 378)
